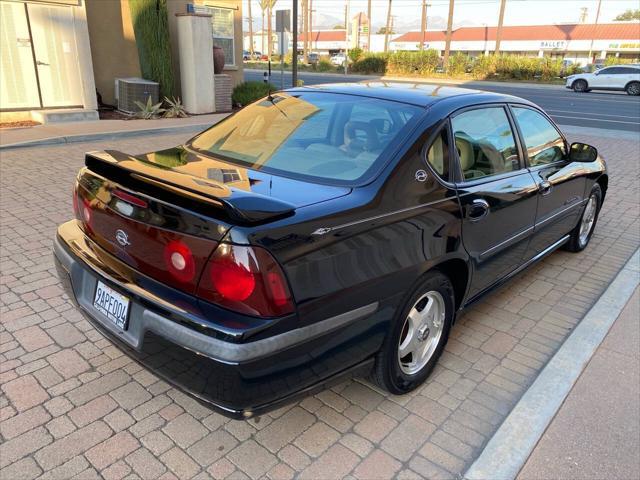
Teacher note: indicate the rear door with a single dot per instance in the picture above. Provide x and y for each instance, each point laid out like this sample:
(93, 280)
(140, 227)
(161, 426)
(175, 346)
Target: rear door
(604, 78)
(497, 194)
(560, 183)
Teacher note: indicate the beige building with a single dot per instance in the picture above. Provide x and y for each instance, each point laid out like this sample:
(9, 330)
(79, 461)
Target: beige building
(55, 54)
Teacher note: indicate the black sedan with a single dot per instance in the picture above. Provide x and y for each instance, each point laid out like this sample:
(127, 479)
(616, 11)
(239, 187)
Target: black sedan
(321, 233)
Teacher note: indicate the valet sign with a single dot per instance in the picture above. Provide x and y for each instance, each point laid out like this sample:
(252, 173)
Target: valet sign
(552, 44)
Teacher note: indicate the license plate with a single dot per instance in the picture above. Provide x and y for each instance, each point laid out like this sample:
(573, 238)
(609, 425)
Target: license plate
(112, 304)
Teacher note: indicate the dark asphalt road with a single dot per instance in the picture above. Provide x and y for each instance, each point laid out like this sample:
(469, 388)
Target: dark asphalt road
(610, 110)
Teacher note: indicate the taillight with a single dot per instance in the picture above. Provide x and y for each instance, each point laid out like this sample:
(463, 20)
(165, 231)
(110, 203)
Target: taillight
(179, 260)
(247, 280)
(76, 210)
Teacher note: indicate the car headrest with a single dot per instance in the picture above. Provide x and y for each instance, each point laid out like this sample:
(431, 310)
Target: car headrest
(465, 151)
(350, 129)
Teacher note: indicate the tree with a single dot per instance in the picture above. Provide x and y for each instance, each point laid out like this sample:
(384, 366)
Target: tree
(503, 3)
(387, 28)
(383, 30)
(447, 46)
(250, 31)
(264, 4)
(270, 5)
(628, 15)
(339, 26)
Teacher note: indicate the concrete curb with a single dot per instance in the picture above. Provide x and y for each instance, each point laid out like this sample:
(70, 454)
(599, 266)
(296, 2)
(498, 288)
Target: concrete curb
(507, 451)
(89, 137)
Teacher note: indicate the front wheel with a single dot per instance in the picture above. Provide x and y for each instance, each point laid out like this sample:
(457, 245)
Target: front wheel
(582, 233)
(633, 88)
(580, 86)
(417, 336)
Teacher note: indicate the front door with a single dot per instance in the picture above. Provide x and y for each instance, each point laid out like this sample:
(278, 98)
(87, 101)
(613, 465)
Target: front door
(56, 57)
(18, 81)
(39, 60)
(561, 184)
(497, 194)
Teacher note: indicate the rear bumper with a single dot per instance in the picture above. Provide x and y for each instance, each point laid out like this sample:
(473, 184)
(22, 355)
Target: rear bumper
(237, 379)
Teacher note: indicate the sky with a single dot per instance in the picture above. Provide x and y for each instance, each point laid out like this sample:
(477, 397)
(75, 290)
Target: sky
(467, 12)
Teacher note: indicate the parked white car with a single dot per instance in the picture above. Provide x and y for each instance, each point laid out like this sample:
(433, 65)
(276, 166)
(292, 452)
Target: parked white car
(339, 59)
(615, 77)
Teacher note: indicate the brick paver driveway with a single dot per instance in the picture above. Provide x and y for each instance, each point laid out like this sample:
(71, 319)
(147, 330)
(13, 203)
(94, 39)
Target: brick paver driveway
(73, 405)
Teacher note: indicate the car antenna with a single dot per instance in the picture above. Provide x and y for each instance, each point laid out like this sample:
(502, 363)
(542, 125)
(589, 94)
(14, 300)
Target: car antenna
(272, 100)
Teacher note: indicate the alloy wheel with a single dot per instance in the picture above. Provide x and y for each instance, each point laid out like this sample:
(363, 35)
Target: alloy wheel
(421, 332)
(588, 217)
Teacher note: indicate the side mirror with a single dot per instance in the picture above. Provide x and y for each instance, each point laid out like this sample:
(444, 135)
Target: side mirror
(581, 152)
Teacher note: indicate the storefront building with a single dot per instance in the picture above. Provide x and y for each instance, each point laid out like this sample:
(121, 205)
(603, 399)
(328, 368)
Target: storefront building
(570, 41)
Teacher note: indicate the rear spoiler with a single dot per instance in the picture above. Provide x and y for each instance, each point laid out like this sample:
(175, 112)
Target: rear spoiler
(240, 206)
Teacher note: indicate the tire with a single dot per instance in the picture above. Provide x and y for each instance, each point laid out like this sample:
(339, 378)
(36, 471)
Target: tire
(580, 86)
(401, 375)
(583, 231)
(633, 88)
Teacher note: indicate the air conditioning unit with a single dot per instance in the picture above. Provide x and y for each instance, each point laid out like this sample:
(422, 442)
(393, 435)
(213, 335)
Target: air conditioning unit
(130, 90)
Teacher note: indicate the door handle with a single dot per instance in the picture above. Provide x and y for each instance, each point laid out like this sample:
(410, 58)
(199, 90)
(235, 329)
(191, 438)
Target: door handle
(478, 210)
(545, 187)
(42, 63)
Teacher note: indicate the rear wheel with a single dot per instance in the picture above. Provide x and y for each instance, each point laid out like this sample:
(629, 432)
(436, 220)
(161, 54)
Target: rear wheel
(633, 88)
(580, 86)
(417, 336)
(582, 233)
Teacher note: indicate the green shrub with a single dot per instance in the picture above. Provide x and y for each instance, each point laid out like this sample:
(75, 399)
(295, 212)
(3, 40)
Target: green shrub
(150, 25)
(248, 92)
(371, 63)
(413, 63)
(355, 54)
(484, 66)
(458, 64)
(325, 65)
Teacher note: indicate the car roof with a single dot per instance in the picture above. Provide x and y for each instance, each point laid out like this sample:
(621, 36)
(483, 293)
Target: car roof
(419, 94)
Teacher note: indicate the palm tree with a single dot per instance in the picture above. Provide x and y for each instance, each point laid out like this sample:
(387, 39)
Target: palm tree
(447, 47)
(250, 30)
(270, 5)
(264, 4)
(503, 3)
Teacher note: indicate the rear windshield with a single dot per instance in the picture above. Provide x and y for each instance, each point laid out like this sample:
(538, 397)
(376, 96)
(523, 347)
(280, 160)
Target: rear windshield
(321, 136)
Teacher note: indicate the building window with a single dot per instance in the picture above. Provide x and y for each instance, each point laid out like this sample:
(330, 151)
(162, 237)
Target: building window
(223, 31)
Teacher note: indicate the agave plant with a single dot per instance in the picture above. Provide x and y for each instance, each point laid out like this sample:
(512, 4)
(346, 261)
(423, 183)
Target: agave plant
(148, 110)
(175, 108)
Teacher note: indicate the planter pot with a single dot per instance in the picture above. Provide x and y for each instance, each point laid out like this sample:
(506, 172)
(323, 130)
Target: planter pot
(218, 60)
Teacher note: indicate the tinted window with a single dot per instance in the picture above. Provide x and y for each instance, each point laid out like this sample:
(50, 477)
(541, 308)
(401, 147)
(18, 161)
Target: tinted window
(438, 155)
(543, 142)
(630, 70)
(325, 136)
(484, 142)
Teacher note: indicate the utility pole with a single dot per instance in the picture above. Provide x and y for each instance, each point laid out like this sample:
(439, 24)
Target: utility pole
(369, 26)
(386, 30)
(584, 12)
(447, 47)
(269, 34)
(423, 24)
(594, 31)
(294, 59)
(305, 30)
(250, 31)
(311, 25)
(346, 37)
(503, 3)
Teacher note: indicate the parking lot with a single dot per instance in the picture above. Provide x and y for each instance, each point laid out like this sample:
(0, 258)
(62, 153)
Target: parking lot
(73, 405)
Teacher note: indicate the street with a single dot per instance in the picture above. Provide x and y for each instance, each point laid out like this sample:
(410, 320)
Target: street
(607, 110)
(73, 404)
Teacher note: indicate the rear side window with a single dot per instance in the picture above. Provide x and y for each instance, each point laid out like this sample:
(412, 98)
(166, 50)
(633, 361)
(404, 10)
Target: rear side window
(438, 155)
(543, 142)
(484, 142)
(323, 136)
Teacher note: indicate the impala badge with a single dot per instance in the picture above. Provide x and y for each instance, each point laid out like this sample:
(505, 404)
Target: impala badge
(122, 238)
(421, 176)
